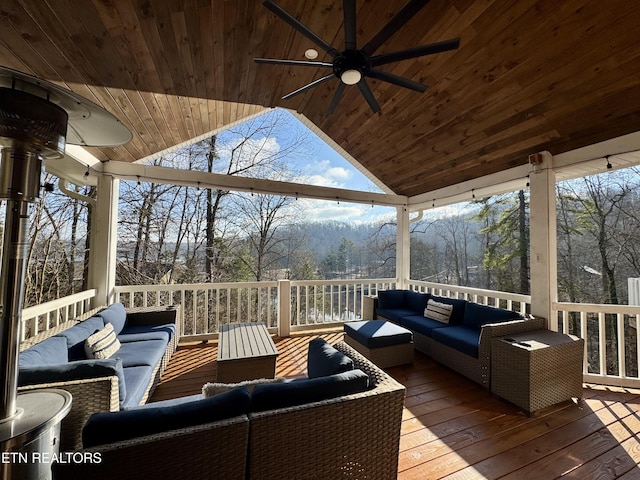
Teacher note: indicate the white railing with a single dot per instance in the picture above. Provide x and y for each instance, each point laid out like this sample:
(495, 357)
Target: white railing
(206, 306)
(48, 315)
(510, 301)
(322, 302)
(611, 338)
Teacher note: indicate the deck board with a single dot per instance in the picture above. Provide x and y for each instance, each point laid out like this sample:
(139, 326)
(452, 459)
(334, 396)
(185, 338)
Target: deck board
(452, 428)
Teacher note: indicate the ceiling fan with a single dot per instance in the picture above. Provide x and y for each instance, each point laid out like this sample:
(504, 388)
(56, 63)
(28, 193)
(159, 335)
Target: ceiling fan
(353, 64)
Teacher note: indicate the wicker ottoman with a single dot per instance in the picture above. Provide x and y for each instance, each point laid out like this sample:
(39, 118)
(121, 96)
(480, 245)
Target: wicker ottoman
(384, 343)
(537, 369)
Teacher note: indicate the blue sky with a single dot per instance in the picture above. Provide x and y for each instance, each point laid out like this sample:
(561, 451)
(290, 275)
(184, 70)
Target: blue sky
(317, 163)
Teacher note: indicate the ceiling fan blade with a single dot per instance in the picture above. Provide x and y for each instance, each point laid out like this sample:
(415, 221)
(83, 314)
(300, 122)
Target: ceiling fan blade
(302, 63)
(303, 29)
(349, 7)
(308, 86)
(336, 98)
(402, 17)
(396, 80)
(415, 52)
(368, 95)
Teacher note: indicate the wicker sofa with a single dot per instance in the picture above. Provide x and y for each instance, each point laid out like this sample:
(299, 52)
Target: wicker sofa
(464, 342)
(56, 358)
(354, 435)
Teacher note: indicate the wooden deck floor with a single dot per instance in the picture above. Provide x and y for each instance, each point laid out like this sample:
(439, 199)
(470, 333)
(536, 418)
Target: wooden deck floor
(454, 429)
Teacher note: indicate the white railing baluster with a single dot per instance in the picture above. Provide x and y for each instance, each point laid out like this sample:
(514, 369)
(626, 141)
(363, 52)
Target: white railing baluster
(622, 369)
(602, 341)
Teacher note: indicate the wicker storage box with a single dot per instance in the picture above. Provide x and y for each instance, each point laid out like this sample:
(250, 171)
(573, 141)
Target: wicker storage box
(537, 369)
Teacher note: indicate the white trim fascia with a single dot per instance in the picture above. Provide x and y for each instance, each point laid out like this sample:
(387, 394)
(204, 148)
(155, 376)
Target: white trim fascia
(191, 178)
(341, 151)
(510, 180)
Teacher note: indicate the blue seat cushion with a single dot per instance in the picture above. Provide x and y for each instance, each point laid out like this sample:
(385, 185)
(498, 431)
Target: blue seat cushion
(415, 301)
(377, 333)
(394, 314)
(108, 427)
(323, 359)
(390, 299)
(147, 352)
(77, 334)
(78, 370)
(137, 380)
(135, 333)
(421, 324)
(114, 314)
(53, 350)
(464, 339)
(476, 315)
(459, 307)
(272, 396)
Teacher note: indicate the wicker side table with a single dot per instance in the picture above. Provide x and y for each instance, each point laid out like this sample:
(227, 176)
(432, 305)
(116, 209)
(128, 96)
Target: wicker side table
(537, 369)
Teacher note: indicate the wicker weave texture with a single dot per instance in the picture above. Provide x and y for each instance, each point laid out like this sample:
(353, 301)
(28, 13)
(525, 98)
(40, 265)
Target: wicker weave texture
(211, 451)
(535, 378)
(384, 357)
(351, 437)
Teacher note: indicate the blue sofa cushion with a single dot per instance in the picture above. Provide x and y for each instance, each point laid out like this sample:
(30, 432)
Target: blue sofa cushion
(77, 334)
(377, 333)
(394, 314)
(415, 301)
(323, 359)
(53, 350)
(459, 307)
(147, 352)
(421, 324)
(79, 370)
(476, 315)
(114, 314)
(299, 392)
(108, 427)
(391, 299)
(137, 380)
(464, 339)
(136, 333)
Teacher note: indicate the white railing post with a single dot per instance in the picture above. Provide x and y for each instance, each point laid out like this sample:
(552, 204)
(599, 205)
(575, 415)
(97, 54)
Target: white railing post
(284, 308)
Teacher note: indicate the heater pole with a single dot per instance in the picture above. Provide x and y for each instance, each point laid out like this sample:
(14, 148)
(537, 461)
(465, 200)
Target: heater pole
(14, 259)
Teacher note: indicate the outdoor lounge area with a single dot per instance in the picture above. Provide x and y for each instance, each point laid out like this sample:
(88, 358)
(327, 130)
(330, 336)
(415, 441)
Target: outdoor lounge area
(106, 106)
(453, 428)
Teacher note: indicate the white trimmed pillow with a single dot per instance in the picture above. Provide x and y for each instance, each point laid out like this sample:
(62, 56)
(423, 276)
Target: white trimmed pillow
(102, 344)
(438, 311)
(211, 389)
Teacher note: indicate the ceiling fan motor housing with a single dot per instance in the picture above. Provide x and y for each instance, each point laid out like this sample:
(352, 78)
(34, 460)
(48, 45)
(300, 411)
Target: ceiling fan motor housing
(350, 60)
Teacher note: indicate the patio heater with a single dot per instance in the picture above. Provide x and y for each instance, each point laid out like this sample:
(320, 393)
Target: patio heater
(37, 118)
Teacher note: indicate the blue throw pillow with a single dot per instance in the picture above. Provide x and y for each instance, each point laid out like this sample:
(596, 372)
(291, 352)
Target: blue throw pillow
(415, 301)
(64, 372)
(476, 315)
(108, 427)
(77, 334)
(323, 359)
(272, 396)
(389, 299)
(114, 314)
(53, 350)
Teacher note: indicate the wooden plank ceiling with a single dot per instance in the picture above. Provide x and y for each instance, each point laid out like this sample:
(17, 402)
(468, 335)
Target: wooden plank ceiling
(528, 76)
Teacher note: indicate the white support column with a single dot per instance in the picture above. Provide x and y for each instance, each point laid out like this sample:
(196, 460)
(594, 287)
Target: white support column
(402, 247)
(284, 308)
(543, 246)
(103, 242)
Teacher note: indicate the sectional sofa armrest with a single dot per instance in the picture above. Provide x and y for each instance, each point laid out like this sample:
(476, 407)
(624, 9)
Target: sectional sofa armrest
(369, 306)
(90, 395)
(492, 330)
(155, 316)
(202, 452)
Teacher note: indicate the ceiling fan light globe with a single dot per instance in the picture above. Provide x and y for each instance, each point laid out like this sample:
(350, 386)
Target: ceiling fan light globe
(351, 77)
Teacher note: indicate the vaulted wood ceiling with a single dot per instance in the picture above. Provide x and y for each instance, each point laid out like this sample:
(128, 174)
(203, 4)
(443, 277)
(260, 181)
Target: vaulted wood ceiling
(528, 76)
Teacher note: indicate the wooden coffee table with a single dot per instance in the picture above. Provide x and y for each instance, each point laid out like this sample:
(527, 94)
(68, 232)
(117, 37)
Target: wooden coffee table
(245, 352)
